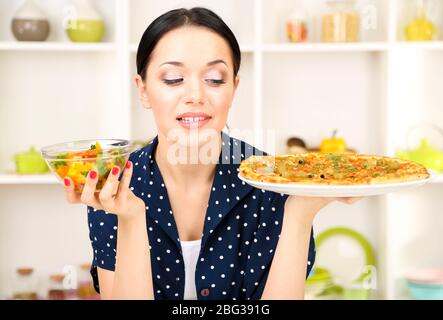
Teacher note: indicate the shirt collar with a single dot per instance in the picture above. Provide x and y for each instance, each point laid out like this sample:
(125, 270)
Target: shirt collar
(226, 192)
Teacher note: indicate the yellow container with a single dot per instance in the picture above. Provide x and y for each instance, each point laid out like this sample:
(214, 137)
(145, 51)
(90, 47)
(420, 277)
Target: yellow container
(341, 22)
(85, 30)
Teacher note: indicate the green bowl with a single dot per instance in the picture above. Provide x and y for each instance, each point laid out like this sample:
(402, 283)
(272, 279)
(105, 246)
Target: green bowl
(30, 162)
(85, 30)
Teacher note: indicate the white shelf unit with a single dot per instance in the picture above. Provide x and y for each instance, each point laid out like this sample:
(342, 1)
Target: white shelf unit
(56, 46)
(8, 179)
(372, 91)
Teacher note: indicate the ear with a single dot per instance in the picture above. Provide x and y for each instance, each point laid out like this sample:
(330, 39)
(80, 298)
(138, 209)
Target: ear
(141, 90)
(236, 82)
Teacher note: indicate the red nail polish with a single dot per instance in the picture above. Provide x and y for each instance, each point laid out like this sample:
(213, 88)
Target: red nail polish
(67, 182)
(128, 164)
(93, 174)
(114, 170)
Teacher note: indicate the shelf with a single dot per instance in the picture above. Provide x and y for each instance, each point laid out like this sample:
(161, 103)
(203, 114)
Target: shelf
(247, 48)
(351, 47)
(326, 47)
(28, 179)
(333, 47)
(425, 45)
(56, 46)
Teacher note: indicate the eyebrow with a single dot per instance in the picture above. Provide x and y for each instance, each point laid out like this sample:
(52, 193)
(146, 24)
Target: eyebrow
(180, 64)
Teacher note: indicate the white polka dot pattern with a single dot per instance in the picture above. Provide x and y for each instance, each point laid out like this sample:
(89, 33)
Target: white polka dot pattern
(241, 230)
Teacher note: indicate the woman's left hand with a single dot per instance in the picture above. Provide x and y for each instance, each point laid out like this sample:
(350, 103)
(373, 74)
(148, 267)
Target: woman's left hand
(308, 207)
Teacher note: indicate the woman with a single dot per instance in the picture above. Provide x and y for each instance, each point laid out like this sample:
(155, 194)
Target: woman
(181, 225)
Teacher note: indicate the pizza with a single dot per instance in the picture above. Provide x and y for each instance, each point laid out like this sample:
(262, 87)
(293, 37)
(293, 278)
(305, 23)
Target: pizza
(331, 169)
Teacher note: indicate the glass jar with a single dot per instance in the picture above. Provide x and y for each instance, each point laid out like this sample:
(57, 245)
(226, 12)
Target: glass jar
(340, 22)
(25, 287)
(85, 289)
(420, 28)
(55, 288)
(297, 24)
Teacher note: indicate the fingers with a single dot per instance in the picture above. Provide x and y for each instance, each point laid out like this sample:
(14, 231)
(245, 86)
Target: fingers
(126, 178)
(327, 200)
(349, 200)
(88, 197)
(110, 189)
(71, 195)
(354, 199)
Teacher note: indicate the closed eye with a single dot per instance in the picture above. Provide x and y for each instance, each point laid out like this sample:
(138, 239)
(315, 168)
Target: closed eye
(179, 80)
(172, 81)
(216, 81)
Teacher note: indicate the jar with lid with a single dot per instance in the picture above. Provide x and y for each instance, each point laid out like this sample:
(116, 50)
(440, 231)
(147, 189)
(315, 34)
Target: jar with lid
(340, 21)
(25, 285)
(297, 23)
(55, 288)
(85, 289)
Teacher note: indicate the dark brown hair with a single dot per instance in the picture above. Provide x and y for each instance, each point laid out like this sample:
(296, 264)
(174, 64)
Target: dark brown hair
(184, 17)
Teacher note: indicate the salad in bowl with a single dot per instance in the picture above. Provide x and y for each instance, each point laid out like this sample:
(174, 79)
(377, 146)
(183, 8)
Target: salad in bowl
(75, 159)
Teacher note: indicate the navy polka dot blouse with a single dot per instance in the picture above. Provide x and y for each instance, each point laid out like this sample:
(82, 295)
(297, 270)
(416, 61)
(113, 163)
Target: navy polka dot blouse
(241, 230)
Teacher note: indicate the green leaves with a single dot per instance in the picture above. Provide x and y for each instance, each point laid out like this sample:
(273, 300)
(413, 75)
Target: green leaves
(333, 157)
(102, 166)
(58, 163)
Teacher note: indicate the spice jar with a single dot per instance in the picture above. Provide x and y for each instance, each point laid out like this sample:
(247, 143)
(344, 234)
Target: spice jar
(25, 285)
(297, 24)
(85, 289)
(341, 22)
(55, 289)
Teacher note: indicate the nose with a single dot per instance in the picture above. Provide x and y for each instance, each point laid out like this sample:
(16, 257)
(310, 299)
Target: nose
(195, 94)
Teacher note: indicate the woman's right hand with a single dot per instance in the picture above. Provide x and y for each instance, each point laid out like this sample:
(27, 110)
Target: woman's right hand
(115, 196)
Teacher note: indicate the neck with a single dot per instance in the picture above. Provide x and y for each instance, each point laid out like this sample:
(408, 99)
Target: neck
(190, 171)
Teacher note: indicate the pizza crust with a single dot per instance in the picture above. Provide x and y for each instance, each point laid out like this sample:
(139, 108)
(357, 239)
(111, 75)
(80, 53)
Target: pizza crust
(335, 169)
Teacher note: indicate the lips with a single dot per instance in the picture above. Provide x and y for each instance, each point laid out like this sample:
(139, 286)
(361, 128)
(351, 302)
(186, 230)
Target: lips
(193, 119)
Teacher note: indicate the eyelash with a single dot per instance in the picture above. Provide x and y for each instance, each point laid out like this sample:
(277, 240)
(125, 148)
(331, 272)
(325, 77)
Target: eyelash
(172, 81)
(178, 80)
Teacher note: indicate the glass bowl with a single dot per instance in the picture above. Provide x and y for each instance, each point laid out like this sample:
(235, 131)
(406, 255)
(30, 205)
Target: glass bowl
(75, 159)
(425, 291)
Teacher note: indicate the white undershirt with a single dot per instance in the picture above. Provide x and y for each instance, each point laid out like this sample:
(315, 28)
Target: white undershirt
(190, 250)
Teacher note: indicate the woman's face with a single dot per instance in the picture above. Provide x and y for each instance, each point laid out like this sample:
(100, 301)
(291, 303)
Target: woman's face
(189, 83)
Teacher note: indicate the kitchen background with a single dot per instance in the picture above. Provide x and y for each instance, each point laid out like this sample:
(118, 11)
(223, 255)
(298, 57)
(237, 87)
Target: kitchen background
(370, 69)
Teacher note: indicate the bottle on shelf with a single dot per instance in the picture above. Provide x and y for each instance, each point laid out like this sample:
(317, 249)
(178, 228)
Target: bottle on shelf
(25, 285)
(29, 23)
(85, 289)
(84, 23)
(420, 28)
(55, 287)
(341, 21)
(297, 23)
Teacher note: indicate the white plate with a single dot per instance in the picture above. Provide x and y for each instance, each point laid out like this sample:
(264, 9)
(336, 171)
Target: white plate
(338, 191)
